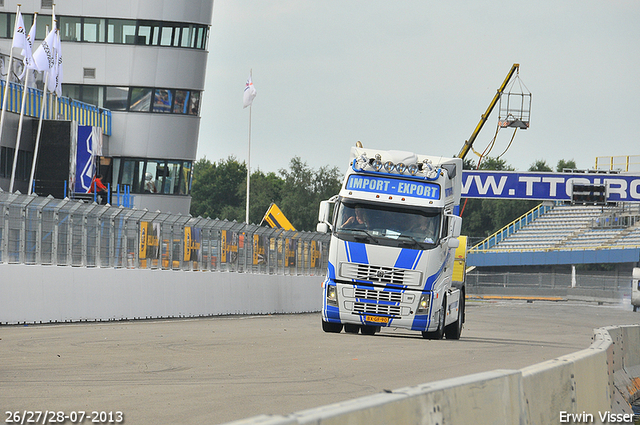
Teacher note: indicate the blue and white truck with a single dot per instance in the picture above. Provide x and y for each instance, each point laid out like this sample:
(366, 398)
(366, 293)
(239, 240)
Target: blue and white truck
(395, 242)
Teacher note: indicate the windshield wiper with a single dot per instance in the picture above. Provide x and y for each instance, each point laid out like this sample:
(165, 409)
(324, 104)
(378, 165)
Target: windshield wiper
(410, 240)
(361, 238)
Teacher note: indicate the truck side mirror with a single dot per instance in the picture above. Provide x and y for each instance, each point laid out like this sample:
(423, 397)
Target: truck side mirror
(323, 216)
(455, 225)
(323, 212)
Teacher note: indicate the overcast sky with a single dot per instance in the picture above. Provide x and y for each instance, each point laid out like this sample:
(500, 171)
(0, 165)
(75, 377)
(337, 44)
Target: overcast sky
(416, 75)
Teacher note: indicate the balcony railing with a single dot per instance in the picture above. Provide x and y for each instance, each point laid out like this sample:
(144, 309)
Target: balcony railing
(60, 108)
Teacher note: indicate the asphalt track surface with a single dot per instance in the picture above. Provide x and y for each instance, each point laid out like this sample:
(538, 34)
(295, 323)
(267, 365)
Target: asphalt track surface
(214, 370)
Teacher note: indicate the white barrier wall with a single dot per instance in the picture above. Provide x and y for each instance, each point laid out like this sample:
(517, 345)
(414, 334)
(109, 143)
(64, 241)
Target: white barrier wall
(592, 384)
(43, 294)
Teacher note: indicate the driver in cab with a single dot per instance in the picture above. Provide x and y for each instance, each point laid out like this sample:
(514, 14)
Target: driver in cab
(357, 221)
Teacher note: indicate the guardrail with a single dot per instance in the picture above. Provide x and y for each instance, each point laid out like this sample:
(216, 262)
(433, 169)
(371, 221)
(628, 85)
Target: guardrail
(47, 231)
(595, 385)
(62, 108)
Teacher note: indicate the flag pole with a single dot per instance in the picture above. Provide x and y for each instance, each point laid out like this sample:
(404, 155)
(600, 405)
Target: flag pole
(43, 106)
(249, 158)
(18, 137)
(6, 85)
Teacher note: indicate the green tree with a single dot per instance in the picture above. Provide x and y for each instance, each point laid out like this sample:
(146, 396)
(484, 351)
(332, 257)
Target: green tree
(217, 189)
(562, 164)
(265, 189)
(540, 165)
(303, 189)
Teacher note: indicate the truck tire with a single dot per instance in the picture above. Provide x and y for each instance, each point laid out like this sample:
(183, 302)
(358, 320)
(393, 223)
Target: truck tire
(335, 328)
(454, 330)
(635, 308)
(438, 333)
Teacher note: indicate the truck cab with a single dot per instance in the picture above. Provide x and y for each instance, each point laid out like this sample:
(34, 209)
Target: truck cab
(394, 232)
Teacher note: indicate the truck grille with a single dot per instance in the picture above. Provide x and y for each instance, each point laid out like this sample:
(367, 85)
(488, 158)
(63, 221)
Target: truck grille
(391, 310)
(380, 274)
(373, 295)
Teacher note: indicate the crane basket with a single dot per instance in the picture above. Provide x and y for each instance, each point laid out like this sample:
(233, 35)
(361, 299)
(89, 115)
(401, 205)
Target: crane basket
(515, 106)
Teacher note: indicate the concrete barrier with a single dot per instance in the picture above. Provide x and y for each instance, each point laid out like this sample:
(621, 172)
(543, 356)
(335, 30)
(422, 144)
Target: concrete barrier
(602, 379)
(595, 385)
(44, 294)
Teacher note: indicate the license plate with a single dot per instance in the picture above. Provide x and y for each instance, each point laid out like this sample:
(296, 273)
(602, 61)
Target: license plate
(376, 319)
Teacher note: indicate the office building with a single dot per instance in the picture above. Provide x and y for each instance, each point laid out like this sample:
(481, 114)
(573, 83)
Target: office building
(143, 60)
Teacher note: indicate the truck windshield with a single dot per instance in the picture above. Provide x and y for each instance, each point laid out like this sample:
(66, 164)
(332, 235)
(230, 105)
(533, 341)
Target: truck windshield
(388, 224)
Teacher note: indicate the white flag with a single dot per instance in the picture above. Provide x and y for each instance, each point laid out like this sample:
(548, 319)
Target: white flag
(20, 34)
(55, 75)
(43, 57)
(28, 51)
(249, 93)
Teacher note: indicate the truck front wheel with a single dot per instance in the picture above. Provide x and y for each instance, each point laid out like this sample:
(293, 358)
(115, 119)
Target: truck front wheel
(454, 330)
(438, 333)
(335, 328)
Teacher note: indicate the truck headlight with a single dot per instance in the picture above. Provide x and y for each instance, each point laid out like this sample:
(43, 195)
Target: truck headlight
(332, 295)
(423, 305)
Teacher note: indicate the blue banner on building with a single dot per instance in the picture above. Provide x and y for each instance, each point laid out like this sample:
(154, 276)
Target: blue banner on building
(89, 145)
(546, 186)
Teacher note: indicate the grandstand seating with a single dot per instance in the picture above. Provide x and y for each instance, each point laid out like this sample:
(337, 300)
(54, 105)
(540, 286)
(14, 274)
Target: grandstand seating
(570, 227)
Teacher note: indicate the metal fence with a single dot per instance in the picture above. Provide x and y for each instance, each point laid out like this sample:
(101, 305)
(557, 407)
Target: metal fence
(546, 280)
(50, 231)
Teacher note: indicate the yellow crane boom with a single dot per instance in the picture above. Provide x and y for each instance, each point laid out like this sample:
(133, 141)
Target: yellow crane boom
(468, 143)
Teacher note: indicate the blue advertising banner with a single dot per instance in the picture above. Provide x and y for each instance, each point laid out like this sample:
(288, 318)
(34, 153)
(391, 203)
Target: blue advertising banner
(84, 159)
(546, 186)
(390, 186)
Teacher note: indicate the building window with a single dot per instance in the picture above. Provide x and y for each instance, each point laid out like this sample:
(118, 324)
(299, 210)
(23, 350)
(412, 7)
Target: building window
(163, 100)
(117, 31)
(121, 31)
(185, 178)
(70, 28)
(93, 30)
(153, 176)
(131, 174)
(194, 103)
(183, 102)
(93, 95)
(166, 36)
(140, 100)
(116, 98)
(172, 185)
(72, 91)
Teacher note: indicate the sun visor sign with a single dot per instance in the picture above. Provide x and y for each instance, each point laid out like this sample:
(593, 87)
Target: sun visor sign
(389, 186)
